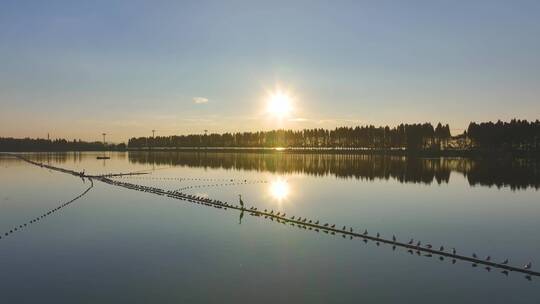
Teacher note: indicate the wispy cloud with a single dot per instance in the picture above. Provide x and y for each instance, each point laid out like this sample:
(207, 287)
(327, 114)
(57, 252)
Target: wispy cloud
(200, 100)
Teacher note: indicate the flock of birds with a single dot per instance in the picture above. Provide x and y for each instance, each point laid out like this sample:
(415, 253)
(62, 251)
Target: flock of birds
(223, 182)
(302, 222)
(316, 225)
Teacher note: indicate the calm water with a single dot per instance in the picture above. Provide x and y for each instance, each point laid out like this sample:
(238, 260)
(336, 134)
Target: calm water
(117, 245)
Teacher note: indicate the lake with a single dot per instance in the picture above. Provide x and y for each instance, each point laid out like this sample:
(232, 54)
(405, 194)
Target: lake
(118, 245)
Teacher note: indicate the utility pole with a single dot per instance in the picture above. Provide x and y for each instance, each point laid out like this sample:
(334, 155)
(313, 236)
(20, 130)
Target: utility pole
(205, 139)
(103, 138)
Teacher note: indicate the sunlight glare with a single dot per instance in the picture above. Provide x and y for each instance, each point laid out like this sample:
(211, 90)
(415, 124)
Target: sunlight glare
(279, 104)
(279, 189)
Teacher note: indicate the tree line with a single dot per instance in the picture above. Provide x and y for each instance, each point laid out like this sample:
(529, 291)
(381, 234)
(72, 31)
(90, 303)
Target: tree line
(38, 144)
(410, 136)
(516, 135)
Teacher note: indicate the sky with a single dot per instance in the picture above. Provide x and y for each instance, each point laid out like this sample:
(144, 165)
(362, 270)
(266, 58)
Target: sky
(76, 69)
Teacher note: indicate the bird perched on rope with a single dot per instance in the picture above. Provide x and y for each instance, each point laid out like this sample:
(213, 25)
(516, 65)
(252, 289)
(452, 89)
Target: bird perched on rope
(240, 200)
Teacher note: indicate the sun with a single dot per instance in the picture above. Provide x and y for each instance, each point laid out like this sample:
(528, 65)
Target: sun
(279, 104)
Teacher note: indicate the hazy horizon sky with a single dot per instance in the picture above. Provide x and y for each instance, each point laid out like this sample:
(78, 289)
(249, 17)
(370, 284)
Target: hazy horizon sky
(76, 69)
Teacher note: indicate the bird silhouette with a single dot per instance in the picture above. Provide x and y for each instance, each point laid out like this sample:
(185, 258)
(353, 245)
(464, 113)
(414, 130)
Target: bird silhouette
(528, 266)
(505, 262)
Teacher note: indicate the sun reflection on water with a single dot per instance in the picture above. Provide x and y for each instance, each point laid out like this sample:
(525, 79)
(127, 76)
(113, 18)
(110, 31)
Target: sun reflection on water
(279, 189)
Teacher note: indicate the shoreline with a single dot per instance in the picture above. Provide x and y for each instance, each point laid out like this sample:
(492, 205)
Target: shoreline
(302, 150)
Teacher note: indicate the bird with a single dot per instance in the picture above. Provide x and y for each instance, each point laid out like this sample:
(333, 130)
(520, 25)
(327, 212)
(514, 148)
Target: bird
(393, 238)
(528, 266)
(350, 229)
(428, 246)
(378, 234)
(411, 241)
(474, 255)
(442, 248)
(292, 217)
(365, 232)
(333, 226)
(317, 222)
(505, 262)
(488, 258)
(240, 200)
(326, 225)
(418, 244)
(454, 251)
(344, 228)
(284, 214)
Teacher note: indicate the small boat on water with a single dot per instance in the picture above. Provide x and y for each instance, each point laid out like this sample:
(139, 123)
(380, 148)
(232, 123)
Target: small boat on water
(103, 157)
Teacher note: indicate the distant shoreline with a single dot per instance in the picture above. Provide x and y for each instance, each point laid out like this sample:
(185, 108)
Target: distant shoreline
(302, 150)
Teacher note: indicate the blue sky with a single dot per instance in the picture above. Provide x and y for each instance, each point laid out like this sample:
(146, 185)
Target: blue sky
(80, 68)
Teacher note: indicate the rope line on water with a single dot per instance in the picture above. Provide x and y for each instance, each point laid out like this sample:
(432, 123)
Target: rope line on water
(46, 214)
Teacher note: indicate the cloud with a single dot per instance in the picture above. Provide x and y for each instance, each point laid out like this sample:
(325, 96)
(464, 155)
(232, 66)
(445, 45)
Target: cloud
(200, 100)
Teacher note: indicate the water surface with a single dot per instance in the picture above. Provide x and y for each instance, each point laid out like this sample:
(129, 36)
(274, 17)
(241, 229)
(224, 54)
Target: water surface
(117, 245)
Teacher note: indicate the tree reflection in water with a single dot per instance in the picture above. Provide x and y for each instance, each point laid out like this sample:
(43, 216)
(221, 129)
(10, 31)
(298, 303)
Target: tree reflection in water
(515, 173)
